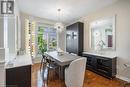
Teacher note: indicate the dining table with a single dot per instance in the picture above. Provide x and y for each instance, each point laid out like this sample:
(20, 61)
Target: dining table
(62, 59)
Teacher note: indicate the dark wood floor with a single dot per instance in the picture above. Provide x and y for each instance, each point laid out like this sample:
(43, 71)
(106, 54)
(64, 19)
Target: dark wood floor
(91, 80)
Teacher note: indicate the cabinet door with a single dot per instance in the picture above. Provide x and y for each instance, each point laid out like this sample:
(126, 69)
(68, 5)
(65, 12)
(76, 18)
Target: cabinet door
(91, 62)
(74, 28)
(104, 62)
(104, 66)
(19, 76)
(75, 42)
(2, 75)
(69, 40)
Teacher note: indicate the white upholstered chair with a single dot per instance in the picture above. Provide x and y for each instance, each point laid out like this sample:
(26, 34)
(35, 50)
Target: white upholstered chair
(74, 74)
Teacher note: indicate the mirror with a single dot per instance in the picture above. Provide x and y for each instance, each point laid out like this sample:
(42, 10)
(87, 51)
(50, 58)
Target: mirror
(103, 34)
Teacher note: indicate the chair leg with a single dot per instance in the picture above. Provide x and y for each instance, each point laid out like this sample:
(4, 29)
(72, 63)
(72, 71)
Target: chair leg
(41, 64)
(48, 75)
(55, 74)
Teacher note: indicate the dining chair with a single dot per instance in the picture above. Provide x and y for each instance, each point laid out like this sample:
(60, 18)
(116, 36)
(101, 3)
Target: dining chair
(51, 66)
(43, 62)
(74, 74)
(46, 61)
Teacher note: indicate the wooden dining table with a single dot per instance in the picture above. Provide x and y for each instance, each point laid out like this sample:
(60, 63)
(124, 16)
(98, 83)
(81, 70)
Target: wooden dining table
(62, 59)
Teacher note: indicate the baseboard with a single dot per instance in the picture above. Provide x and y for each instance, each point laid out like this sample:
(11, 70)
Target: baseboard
(123, 78)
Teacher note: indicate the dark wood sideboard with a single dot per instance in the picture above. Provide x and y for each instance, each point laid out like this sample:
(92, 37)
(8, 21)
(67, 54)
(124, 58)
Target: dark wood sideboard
(18, 76)
(104, 66)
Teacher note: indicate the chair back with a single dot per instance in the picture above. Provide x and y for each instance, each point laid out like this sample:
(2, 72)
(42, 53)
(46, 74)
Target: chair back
(75, 73)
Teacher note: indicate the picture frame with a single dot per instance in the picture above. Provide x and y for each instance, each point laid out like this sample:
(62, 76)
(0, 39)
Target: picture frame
(7, 7)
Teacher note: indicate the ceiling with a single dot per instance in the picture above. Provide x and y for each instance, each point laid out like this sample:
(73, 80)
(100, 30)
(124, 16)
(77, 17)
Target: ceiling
(71, 10)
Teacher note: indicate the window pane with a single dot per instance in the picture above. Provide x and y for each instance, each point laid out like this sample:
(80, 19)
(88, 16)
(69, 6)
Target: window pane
(47, 39)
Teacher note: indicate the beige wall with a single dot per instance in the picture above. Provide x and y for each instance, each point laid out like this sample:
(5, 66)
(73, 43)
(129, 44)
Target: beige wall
(122, 11)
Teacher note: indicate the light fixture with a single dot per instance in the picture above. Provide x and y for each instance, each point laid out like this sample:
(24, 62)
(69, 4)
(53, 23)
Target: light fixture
(59, 25)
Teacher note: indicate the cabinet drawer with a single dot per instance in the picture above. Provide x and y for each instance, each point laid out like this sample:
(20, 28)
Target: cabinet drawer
(105, 62)
(105, 72)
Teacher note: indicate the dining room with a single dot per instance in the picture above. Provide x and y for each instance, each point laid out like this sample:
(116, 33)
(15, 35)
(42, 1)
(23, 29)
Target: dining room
(64, 43)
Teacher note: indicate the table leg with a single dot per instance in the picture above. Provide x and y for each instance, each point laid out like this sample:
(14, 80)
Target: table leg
(59, 76)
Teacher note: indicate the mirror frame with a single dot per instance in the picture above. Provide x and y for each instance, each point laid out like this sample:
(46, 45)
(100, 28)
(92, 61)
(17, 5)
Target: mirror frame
(114, 32)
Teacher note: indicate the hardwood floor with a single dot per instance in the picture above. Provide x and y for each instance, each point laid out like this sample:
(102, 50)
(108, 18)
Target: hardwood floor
(91, 80)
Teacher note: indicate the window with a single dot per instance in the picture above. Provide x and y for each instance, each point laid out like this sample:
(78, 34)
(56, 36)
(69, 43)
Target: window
(47, 39)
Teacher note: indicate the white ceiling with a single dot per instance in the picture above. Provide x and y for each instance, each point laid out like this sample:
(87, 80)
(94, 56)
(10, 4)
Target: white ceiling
(72, 10)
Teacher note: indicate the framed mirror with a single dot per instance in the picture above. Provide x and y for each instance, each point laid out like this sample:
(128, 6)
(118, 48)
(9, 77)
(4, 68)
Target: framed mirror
(103, 34)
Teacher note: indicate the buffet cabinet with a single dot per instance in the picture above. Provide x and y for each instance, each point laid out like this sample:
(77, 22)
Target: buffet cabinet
(18, 76)
(74, 38)
(104, 66)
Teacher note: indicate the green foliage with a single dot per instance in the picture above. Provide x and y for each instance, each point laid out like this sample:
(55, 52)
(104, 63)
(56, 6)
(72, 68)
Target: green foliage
(53, 44)
(42, 44)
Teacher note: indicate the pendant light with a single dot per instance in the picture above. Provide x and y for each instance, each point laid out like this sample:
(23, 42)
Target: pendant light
(59, 25)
